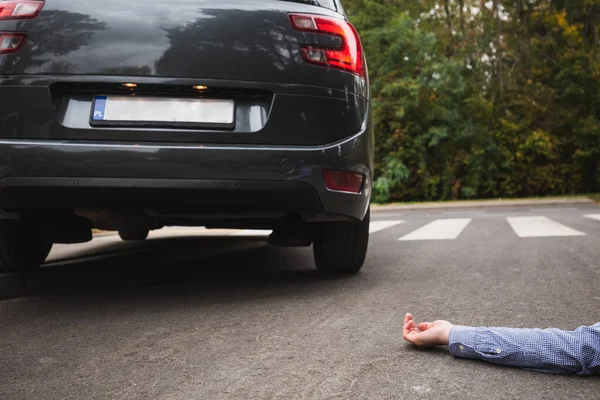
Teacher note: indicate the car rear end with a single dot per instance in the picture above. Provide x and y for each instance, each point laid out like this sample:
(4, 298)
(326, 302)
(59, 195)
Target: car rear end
(230, 113)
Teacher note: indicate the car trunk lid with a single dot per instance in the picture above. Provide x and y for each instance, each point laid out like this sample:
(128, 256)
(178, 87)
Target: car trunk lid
(205, 39)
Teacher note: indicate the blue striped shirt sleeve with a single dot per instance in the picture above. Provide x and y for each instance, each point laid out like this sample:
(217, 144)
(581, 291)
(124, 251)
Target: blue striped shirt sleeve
(548, 350)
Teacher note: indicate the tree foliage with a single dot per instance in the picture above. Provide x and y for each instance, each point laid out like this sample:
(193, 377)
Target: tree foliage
(481, 99)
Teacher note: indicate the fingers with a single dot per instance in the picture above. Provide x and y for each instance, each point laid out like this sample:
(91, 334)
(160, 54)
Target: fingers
(410, 332)
(410, 324)
(423, 326)
(411, 339)
(407, 327)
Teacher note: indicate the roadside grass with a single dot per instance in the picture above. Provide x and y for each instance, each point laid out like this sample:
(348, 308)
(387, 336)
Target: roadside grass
(594, 197)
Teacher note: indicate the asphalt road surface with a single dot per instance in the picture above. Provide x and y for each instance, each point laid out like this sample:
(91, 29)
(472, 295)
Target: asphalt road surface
(187, 316)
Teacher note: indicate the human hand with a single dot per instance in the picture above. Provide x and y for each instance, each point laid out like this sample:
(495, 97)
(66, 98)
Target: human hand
(426, 334)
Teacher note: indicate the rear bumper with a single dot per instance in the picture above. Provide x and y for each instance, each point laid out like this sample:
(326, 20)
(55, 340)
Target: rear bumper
(267, 114)
(46, 175)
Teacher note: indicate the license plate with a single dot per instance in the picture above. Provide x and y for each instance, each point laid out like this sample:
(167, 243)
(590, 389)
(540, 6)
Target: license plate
(156, 111)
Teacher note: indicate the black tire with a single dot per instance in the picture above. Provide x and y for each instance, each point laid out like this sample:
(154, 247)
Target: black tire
(137, 235)
(341, 247)
(22, 248)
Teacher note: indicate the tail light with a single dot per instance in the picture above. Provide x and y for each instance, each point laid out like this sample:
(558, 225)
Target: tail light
(343, 181)
(348, 56)
(11, 42)
(20, 9)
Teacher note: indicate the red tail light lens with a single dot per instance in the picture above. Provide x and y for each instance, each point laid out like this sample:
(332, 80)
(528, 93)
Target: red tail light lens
(343, 181)
(20, 9)
(11, 42)
(349, 56)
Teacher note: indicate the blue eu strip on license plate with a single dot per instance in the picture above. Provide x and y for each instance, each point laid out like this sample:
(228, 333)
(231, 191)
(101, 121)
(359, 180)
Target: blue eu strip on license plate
(99, 108)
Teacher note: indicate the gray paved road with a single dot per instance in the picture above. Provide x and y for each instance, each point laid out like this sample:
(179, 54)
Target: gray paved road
(229, 317)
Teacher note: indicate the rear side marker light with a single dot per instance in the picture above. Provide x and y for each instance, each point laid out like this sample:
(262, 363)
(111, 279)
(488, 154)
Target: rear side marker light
(20, 9)
(11, 42)
(343, 181)
(348, 57)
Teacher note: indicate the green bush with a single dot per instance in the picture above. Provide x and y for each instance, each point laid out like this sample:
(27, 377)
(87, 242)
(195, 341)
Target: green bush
(466, 107)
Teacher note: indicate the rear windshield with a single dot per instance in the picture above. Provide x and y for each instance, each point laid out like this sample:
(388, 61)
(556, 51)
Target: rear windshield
(322, 3)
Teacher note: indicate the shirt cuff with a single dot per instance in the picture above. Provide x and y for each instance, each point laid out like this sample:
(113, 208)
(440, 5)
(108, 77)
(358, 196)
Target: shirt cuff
(462, 342)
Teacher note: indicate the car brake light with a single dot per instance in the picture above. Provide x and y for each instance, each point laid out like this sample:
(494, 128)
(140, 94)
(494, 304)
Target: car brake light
(11, 42)
(20, 9)
(349, 56)
(343, 181)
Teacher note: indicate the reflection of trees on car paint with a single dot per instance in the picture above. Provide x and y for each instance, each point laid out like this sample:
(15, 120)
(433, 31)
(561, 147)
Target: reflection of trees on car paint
(53, 34)
(205, 40)
(130, 70)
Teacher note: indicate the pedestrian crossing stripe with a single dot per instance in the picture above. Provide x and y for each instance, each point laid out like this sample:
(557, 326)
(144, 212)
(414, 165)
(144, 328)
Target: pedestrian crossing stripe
(440, 229)
(374, 227)
(539, 226)
(377, 226)
(452, 228)
(253, 232)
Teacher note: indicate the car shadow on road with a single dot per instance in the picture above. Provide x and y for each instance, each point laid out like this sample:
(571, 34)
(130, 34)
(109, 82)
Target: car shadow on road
(206, 270)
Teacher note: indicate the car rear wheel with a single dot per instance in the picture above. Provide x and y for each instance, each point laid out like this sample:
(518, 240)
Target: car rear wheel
(22, 248)
(134, 235)
(341, 247)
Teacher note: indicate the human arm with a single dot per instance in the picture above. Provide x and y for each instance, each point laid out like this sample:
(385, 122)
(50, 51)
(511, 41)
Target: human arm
(549, 350)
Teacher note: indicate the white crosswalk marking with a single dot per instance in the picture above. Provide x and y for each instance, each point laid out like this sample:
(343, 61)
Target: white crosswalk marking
(440, 229)
(451, 228)
(527, 227)
(253, 232)
(377, 226)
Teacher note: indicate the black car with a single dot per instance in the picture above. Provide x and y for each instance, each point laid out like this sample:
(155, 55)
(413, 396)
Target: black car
(137, 115)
